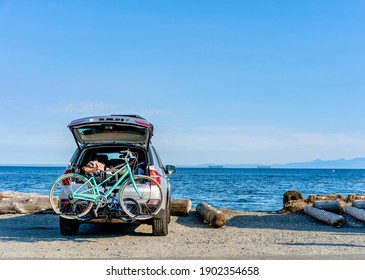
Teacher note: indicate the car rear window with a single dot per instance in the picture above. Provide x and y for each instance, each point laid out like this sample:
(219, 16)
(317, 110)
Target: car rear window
(110, 156)
(106, 132)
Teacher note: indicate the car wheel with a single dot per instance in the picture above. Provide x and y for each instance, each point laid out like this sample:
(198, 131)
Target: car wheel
(69, 227)
(160, 226)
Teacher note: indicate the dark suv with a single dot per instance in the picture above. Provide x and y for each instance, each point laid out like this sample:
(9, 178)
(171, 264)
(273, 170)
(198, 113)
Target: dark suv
(102, 138)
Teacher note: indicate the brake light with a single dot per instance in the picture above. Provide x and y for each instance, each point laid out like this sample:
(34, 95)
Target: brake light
(68, 170)
(155, 175)
(154, 202)
(147, 124)
(65, 202)
(66, 182)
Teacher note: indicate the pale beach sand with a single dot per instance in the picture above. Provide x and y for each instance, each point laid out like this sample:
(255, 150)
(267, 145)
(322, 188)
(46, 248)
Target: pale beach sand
(247, 235)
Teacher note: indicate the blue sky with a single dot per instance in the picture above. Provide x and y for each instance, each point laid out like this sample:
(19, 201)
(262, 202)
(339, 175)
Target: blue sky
(222, 81)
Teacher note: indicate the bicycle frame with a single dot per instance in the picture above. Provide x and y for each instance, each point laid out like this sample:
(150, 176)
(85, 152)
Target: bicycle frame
(92, 197)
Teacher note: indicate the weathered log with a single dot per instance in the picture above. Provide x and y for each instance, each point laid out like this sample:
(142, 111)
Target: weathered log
(294, 206)
(354, 197)
(24, 203)
(324, 197)
(331, 205)
(355, 212)
(30, 203)
(359, 204)
(293, 202)
(211, 215)
(324, 216)
(180, 207)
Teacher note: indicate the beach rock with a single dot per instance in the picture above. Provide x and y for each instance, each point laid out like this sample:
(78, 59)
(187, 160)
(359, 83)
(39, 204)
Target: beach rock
(291, 195)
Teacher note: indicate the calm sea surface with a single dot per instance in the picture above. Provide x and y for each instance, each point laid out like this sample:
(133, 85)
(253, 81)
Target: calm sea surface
(239, 189)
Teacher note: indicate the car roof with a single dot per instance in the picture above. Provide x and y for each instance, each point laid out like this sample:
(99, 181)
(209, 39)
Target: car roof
(112, 118)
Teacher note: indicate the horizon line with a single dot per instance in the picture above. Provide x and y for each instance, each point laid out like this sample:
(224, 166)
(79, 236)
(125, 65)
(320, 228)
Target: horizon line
(203, 165)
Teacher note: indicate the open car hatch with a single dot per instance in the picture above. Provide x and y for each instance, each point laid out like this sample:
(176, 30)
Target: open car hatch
(116, 129)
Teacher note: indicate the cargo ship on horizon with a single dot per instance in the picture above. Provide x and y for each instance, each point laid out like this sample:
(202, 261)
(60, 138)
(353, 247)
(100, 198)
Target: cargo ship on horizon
(215, 166)
(263, 166)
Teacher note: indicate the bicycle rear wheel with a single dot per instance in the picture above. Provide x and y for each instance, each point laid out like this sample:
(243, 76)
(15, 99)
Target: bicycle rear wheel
(62, 202)
(149, 197)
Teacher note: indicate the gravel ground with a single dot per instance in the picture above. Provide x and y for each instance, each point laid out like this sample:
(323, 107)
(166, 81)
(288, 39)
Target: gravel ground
(246, 235)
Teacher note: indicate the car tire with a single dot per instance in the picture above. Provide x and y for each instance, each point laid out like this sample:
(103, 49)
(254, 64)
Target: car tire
(69, 227)
(168, 211)
(160, 227)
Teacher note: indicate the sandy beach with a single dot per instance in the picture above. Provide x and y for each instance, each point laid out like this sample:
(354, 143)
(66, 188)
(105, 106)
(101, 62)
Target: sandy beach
(246, 235)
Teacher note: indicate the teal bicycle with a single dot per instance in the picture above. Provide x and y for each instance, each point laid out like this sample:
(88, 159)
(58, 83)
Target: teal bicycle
(140, 197)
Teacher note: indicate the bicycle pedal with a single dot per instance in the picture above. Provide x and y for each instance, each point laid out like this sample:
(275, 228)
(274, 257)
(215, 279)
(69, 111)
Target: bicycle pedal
(96, 212)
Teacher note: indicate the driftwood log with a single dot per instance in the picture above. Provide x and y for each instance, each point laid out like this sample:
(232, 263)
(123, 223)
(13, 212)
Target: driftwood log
(31, 203)
(323, 197)
(354, 197)
(293, 202)
(359, 204)
(331, 205)
(211, 215)
(324, 216)
(24, 203)
(180, 207)
(355, 212)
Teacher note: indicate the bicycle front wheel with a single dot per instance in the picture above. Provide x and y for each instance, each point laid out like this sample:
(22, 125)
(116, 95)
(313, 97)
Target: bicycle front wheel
(148, 194)
(61, 196)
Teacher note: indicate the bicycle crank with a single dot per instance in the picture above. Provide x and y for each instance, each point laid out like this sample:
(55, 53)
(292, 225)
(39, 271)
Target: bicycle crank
(100, 202)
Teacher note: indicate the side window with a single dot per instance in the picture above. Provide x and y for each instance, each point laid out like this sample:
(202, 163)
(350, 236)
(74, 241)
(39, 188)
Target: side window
(158, 158)
(74, 156)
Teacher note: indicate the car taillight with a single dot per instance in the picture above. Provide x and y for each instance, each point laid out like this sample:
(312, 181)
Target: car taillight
(154, 202)
(65, 202)
(155, 175)
(66, 182)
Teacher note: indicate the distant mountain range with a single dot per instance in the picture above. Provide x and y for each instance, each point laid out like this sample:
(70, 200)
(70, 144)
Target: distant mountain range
(356, 163)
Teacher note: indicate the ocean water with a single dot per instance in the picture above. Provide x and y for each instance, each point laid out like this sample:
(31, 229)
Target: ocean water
(238, 189)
